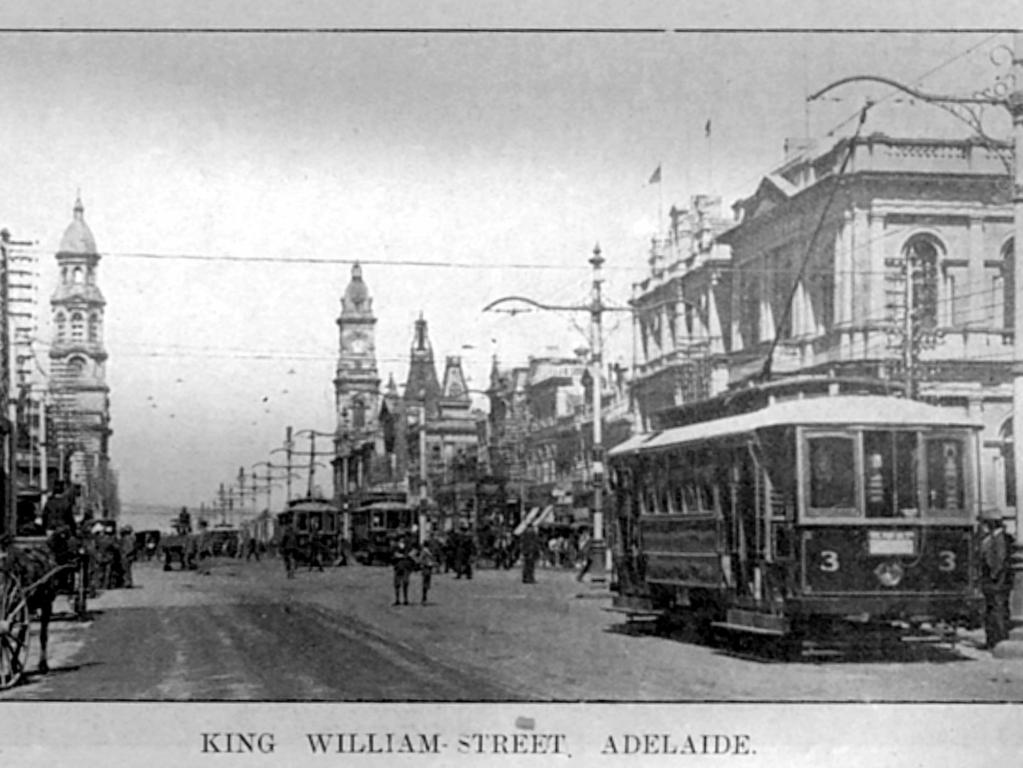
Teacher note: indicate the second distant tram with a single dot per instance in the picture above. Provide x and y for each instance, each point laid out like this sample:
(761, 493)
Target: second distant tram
(775, 512)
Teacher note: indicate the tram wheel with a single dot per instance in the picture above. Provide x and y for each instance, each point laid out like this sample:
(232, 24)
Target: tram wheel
(15, 631)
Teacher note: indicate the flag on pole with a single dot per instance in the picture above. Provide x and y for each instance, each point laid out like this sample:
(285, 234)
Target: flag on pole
(706, 129)
(655, 177)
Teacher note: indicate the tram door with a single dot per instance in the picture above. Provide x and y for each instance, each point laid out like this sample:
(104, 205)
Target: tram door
(743, 509)
(628, 549)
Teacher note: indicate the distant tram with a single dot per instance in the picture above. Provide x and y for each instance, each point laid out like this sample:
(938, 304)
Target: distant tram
(318, 528)
(791, 508)
(377, 525)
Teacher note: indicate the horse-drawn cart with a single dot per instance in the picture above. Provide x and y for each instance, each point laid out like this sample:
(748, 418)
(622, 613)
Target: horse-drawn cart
(33, 571)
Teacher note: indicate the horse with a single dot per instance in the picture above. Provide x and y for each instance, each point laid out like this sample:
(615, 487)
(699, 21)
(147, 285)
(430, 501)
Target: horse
(35, 569)
(180, 547)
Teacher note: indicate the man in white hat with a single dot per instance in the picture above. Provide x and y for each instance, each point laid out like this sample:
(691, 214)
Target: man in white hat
(995, 576)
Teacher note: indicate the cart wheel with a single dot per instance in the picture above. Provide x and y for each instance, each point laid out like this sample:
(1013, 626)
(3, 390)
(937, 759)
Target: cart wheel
(14, 631)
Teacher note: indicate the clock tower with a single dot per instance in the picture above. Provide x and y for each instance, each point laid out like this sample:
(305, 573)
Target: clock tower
(357, 381)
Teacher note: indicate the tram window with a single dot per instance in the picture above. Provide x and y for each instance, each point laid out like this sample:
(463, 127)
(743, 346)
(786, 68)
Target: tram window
(945, 492)
(832, 474)
(889, 473)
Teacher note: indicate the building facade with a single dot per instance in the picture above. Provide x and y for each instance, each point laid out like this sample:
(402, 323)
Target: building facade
(442, 436)
(880, 257)
(79, 395)
(541, 433)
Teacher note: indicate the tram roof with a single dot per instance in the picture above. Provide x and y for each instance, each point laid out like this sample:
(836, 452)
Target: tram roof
(838, 410)
(311, 505)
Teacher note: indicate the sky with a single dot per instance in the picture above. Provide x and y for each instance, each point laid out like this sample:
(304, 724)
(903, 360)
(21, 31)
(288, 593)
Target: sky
(232, 179)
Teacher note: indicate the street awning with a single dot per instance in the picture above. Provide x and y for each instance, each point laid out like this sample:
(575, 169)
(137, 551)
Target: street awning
(547, 516)
(535, 517)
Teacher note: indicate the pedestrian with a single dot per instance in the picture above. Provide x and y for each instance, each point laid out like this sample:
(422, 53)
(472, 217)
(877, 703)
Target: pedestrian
(585, 554)
(404, 564)
(204, 548)
(465, 552)
(427, 561)
(553, 547)
(531, 549)
(127, 556)
(251, 549)
(289, 549)
(995, 576)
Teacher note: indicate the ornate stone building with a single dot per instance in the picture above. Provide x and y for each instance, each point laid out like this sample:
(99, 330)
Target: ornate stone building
(79, 393)
(898, 268)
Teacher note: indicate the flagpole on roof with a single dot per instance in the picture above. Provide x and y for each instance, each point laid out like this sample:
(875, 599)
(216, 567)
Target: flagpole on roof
(710, 155)
(655, 178)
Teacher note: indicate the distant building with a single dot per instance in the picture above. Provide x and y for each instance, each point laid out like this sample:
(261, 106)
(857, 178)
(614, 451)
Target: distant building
(443, 434)
(357, 398)
(79, 393)
(541, 433)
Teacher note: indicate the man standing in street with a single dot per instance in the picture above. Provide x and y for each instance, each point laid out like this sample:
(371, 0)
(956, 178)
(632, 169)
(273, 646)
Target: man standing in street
(995, 576)
(289, 548)
(465, 552)
(204, 547)
(127, 556)
(531, 547)
(403, 564)
(427, 561)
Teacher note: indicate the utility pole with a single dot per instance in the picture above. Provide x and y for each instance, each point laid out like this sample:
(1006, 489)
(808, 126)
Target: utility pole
(313, 434)
(1013, 102)
(596, 309)
(10, 498)
(289, 446)
(598, 570)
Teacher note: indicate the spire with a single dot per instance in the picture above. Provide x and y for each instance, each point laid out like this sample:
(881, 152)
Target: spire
(421, 343)
(79, 209)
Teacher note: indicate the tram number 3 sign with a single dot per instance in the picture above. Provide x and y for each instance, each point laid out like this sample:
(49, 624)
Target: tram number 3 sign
(830, 562)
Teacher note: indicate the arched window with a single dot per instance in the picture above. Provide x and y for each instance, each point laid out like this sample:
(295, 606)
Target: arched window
(60, 320)
(94, 327)
(77, 326)
(922, 260)
(358, 414)
(75, 367)
(76, 275)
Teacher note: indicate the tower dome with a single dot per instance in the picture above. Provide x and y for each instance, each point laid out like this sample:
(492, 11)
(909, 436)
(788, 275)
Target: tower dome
(78, 237)
(356, 300)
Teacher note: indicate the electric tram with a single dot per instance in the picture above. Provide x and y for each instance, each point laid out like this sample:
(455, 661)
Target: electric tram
(798, 506)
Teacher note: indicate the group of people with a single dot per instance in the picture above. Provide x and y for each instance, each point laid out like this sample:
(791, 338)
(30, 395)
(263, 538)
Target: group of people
(407, 560)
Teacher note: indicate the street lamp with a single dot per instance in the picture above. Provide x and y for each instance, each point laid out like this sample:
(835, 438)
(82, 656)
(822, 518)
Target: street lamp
(596, 308)
(1013, 102)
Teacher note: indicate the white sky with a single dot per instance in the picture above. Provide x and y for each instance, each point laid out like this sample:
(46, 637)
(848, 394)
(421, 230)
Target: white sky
(484, 150)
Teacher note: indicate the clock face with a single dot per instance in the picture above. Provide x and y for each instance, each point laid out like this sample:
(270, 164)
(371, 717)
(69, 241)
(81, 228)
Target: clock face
(359, 343)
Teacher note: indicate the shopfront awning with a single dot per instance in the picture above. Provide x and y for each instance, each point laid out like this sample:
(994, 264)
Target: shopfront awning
(535, 517)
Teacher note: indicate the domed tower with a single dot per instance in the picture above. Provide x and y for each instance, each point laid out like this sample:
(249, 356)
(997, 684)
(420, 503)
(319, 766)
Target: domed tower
(357, 383)
(78, 363)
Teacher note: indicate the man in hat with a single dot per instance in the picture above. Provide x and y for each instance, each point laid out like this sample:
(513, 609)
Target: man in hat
(204, 547)
(531, 549)
(289, 548)
(465, 551)
(995, 576)
(404, 564)
(127, 545)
